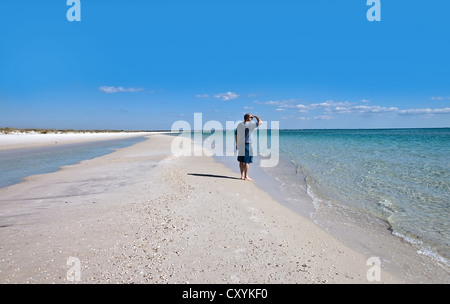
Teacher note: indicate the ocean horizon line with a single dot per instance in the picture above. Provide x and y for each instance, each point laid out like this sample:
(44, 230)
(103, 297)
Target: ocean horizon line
(8, 130)
(326, 129)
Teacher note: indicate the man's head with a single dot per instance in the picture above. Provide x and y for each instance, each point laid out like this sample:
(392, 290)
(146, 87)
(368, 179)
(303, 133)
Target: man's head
(248, 117)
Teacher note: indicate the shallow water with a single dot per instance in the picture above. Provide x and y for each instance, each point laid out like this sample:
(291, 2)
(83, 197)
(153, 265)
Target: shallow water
(383, 192)
(400, 176)
(18, 164)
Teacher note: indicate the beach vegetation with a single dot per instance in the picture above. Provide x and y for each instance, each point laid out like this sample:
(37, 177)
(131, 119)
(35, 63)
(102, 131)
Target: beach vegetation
(10, 130)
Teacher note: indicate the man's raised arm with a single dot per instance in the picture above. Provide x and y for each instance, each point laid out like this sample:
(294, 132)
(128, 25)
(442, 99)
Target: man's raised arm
(259, 121)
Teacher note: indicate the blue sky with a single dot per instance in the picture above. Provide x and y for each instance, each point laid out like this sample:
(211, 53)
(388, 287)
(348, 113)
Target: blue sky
(142, 65)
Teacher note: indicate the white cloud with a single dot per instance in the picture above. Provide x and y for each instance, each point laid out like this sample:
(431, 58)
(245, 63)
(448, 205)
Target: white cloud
(248, 108)
(365, 100)
(373, 109)
(227, 96)
(437, 98)
(302, 108)
(112, 89)
(323, 117)
(328, 109)
(283, 103)
(294, 118)
(441, 111)
(202, 95)
(425, 111)
(331, 105)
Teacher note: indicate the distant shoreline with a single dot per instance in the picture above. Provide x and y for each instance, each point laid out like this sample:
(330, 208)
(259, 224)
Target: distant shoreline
(9, 130)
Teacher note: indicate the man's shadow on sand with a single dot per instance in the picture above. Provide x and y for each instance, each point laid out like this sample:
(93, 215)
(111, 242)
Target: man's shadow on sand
(213, 175)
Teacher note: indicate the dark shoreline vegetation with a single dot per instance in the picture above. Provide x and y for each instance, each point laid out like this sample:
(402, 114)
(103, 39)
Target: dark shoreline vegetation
(9, 130)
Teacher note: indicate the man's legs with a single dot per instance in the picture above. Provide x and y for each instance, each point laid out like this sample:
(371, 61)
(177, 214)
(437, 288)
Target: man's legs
(242, 168)
(247, 168)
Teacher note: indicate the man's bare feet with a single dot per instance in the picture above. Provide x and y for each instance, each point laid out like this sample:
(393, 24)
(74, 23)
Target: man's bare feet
(248, 179)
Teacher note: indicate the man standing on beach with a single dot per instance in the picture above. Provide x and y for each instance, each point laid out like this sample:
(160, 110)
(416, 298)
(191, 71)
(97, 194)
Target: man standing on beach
(243, 135)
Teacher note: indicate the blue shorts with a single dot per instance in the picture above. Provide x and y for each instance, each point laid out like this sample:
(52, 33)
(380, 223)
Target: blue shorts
(248, 158)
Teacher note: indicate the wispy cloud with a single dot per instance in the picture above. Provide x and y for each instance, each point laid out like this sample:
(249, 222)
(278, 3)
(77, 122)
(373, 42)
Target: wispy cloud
(323, 117)
(437, 98)
(330, 106)
(327, 106)
(112, 89)
(424, 111)
(202, 95)
(227, 96)
(372, 109)
(281, 103)
(329, 109)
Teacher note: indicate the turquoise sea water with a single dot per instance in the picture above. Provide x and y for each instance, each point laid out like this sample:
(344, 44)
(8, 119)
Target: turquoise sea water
(401, 176)
(371, 187)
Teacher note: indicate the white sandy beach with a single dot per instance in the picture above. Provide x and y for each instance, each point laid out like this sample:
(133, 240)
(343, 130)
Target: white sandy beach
(140, 215)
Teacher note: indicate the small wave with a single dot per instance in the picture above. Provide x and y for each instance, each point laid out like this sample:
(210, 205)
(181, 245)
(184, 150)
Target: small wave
(408, 239)
(427, 251)
(386, 203)
(387, 207)
(422, 249)
(316, 201)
